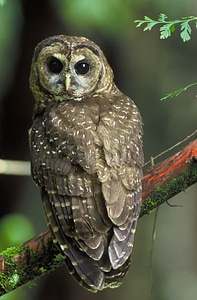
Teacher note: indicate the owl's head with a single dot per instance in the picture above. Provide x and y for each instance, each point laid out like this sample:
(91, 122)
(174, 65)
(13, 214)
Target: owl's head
(68, 67)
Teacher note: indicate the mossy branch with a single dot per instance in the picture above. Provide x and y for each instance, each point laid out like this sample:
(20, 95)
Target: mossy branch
(167, 179)
(20, 265)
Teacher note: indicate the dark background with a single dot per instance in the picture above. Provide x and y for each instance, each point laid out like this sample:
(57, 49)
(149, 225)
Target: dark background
(146, 68)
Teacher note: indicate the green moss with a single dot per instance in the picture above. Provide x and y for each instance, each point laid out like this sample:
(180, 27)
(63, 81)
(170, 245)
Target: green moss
(11, 278)
(174, 186)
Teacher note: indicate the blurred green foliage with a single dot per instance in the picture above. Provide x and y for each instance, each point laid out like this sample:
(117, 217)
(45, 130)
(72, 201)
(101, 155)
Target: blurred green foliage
(109, 16)
(2, 2)
(11, 22)
(146, 68)
(19, 294)
(15, 229)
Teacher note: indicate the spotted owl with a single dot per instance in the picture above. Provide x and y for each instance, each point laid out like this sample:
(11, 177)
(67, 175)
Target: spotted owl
(86, 157)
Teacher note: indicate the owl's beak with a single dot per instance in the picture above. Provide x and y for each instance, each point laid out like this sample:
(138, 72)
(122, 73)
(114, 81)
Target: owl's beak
(67, 81)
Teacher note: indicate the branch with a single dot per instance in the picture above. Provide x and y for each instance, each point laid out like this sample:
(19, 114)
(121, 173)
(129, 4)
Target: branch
(169, 178)
(19, 265)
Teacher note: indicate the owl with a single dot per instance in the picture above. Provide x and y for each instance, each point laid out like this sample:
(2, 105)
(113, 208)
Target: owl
(86, 157)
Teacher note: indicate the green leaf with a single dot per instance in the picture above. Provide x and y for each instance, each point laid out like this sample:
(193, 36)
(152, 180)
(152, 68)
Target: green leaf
(147, 19)
(140, 22)
(178, 92)
(149, 26)
(185, 31)
(162, 17)
(172, 28)
(165, 31)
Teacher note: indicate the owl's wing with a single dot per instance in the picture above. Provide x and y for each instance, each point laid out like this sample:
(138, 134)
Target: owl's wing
(120, 171)
(72, 200)
(81, 266)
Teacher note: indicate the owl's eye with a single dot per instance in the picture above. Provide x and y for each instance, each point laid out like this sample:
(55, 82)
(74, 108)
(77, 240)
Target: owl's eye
(55, 65)
(82, 67)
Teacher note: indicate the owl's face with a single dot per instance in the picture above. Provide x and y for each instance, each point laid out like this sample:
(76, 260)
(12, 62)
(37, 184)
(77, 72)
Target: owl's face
(67, 67)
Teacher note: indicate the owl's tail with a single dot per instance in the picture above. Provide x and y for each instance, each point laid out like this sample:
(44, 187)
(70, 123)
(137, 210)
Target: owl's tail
(94, 279)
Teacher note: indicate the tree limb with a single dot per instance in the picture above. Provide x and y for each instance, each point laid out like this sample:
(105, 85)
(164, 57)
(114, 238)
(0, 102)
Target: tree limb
(19, 265)
(169, 178)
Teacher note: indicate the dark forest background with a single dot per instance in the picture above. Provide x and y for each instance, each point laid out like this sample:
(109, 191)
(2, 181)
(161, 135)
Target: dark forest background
(146, 68)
